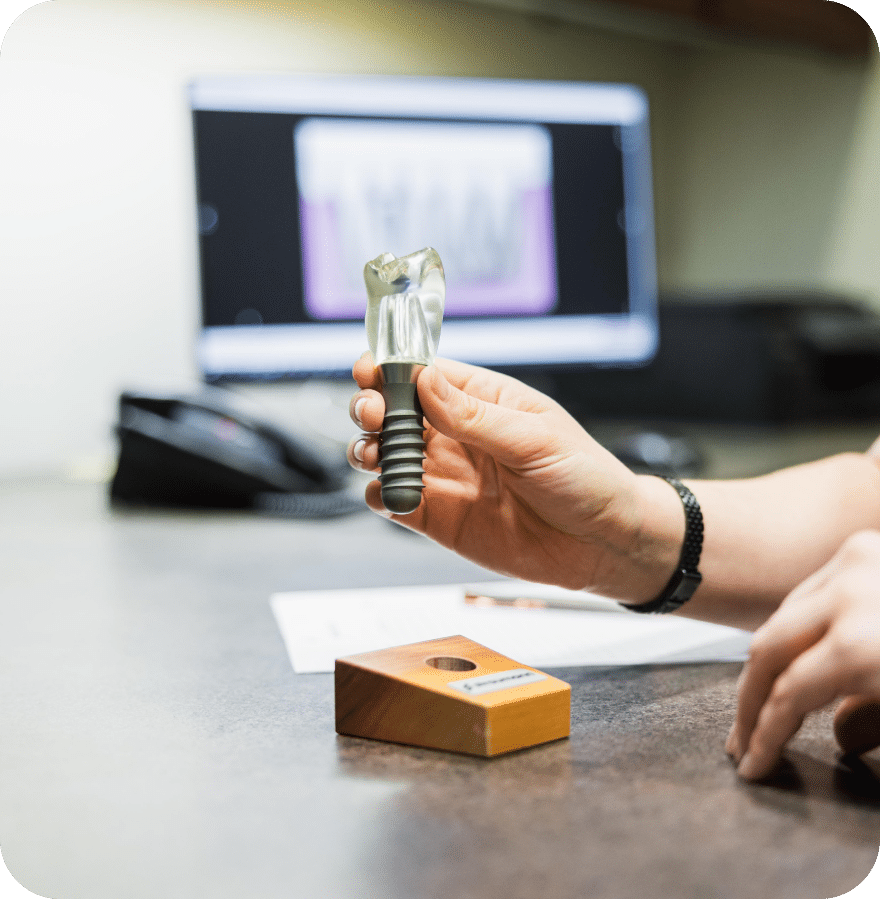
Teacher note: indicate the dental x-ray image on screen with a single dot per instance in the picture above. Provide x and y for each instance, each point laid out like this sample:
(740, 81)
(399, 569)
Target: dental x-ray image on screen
(479, 194)
(537, 196)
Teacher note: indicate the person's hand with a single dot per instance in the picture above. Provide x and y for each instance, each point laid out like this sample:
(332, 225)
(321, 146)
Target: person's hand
(822, 643)
(514, 483)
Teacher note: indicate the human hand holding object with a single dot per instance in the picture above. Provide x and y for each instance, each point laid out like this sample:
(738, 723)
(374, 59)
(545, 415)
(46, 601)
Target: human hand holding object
(514, 483)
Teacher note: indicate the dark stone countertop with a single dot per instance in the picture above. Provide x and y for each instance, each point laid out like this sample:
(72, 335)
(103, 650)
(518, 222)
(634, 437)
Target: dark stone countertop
(157, 743)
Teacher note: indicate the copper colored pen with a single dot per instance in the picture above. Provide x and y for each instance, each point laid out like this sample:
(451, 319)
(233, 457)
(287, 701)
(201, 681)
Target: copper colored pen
(588, 604)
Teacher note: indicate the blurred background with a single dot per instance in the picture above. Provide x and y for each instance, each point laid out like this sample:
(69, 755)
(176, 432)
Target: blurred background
(766, 147)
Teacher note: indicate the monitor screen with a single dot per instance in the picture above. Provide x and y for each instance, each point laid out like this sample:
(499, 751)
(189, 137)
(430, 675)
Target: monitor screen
(537, 196)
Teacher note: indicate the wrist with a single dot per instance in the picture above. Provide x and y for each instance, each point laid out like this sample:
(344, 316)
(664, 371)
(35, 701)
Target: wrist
(687, 577)
(656, 546)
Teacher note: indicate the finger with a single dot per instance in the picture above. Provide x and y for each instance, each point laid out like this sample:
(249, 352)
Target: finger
(857, 724)
(415, 521)
(789, 633)
(509, 435)
(479, 381)
(365, 372)
(363, 453)
(369, 378)
(809, 683)
(493, 387)
(367, 410)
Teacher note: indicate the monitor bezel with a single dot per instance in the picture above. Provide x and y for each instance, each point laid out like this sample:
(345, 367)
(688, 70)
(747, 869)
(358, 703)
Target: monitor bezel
(296, 351)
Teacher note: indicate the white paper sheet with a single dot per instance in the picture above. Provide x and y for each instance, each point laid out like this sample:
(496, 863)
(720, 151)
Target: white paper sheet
(319, 626)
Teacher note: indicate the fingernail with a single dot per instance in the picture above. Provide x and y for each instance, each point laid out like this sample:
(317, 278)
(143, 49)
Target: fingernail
(359, 450)
(358, 410)
(747, 769)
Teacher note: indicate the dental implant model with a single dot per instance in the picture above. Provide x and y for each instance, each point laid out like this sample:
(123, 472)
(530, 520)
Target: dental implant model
(405, 300)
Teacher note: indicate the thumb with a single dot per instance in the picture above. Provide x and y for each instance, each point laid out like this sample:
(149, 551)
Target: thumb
(510, 436)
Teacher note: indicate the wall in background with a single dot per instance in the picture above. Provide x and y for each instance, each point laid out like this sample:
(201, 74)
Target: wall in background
(777, 183)
(765, 162)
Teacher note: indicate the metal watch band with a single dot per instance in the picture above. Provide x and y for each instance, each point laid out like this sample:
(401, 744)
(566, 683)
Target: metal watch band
(686, 578)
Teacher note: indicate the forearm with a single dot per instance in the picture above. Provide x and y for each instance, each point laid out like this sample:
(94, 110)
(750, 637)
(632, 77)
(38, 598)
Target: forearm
(765, 535)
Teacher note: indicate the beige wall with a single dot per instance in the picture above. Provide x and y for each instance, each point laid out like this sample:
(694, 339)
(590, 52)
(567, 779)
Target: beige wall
(777, 183)
(765, 163)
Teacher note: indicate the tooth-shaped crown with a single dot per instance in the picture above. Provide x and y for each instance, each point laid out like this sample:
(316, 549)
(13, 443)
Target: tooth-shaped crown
(405, 306)
(421, 272)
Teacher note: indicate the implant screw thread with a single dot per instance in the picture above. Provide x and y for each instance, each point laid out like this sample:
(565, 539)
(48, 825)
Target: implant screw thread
(402, 449)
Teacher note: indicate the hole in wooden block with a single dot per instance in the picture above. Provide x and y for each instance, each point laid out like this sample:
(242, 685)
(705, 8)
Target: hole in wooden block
(450, 663)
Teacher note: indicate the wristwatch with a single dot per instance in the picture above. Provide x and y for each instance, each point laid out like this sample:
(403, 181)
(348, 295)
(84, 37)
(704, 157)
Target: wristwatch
(686, 577)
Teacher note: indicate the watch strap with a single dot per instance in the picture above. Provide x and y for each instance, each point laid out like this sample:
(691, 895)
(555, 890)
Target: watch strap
(686, 577)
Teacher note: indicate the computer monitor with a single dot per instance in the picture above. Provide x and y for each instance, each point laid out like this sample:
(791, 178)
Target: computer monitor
(537, 195)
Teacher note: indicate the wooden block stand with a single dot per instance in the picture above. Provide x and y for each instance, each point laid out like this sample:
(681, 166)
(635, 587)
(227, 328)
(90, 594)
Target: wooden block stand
(450, 694)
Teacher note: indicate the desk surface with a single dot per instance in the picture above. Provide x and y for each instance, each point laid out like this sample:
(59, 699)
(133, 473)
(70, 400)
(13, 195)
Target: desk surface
(157, 743)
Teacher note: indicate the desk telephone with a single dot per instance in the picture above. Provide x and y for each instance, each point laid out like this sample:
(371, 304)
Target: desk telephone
(200, 451)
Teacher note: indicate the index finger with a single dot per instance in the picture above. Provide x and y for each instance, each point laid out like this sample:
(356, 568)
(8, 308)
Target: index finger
(775, 646)
(812, 681)
(365, 373)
